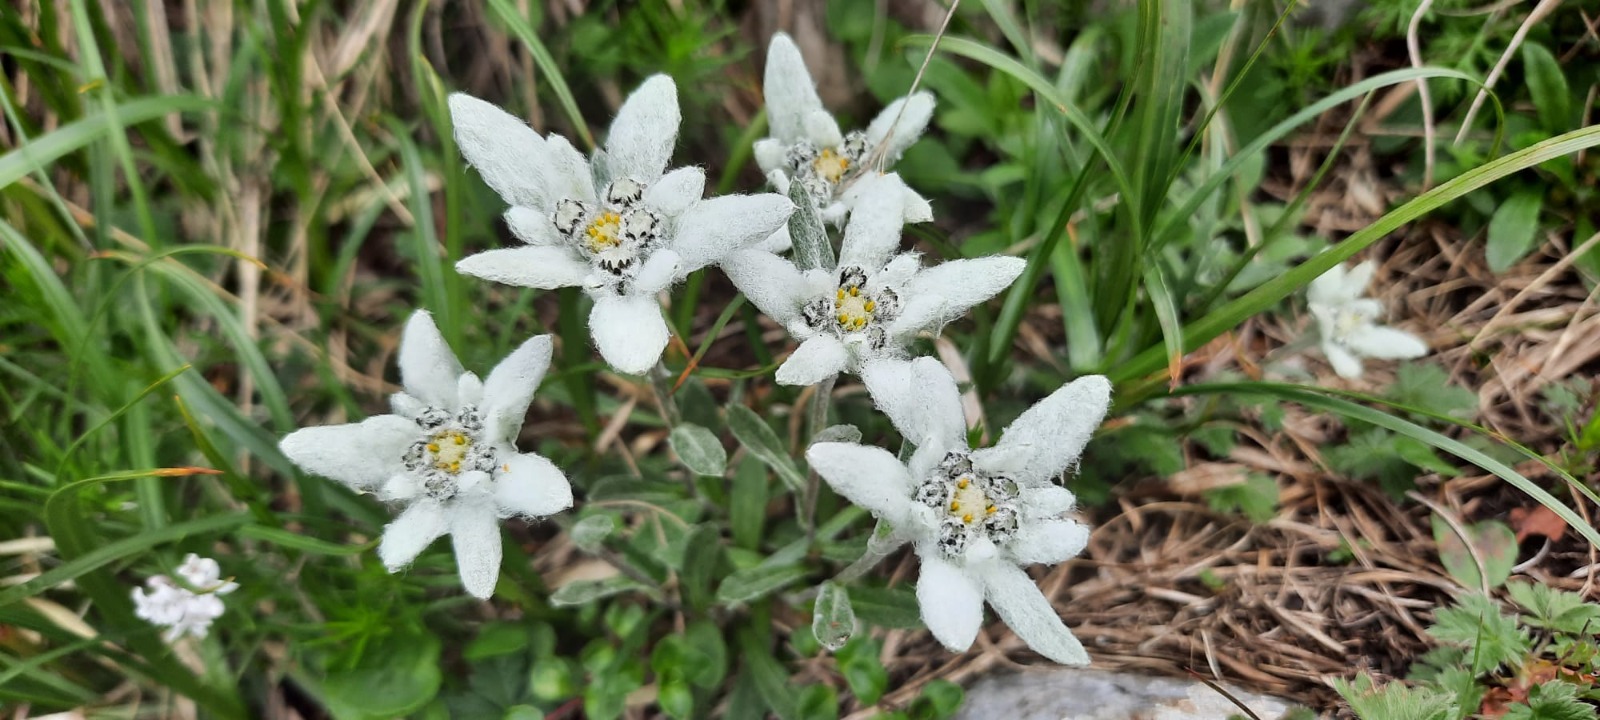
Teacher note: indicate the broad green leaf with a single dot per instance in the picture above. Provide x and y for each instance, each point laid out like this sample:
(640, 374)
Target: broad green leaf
(886, 607)
(747, 503)
(582, 592)
(392, 680)
(1547, 85)
(591, 531)
(755, 583)
(832, 619)
(1513, 228)
(1494, 543)
(757, 437)
(699, 450)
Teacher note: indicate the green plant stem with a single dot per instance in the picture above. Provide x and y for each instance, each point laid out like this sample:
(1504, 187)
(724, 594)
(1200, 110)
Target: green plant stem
(816, 421)
(875, 553)
(661, 388)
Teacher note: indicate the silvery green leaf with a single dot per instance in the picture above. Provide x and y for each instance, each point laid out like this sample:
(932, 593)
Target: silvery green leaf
(755, 583)
(833, 620)
(699, 450)
(582, 592)
(838, 433)
(812, 248)
(754, 434)
(589, 532)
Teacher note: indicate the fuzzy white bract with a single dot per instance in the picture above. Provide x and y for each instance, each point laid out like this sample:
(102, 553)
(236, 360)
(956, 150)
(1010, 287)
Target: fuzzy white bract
(806, 146)
(975, 517)
(1346, 322)
(187, 608)
(875, 300)
(618, 225)
(447, 454)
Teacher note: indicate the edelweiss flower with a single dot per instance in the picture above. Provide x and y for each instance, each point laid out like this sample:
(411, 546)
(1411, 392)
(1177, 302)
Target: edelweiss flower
(188, 608)
(871, 304)
(614, 225)
(975, 517)
(447, 453)
(1345, 322)
(807, 147)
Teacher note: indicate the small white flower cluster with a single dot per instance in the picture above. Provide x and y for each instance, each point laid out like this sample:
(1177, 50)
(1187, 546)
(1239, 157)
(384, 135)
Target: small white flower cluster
(1346, 322)
(622, 227)
(187, 608)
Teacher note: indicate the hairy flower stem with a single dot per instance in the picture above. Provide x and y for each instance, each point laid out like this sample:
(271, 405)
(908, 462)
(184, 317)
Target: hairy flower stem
(661, 388)
(877, 549)
(816, 421)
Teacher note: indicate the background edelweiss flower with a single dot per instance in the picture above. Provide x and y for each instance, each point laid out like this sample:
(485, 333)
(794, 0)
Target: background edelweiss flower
(447, 454)
(874, 301)
(180, 609)
(1346, 322)
(806, 146)
(976, 517)
(614, 225)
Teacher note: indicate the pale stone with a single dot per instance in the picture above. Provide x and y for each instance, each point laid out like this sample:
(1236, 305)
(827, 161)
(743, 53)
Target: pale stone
(1069, 694)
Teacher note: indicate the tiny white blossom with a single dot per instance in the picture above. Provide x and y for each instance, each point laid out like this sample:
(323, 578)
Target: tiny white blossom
(1346, 322)
(614, 225)
(806, 146)
(186, 609)
(974, 517)
(867, 307)
(447, 454)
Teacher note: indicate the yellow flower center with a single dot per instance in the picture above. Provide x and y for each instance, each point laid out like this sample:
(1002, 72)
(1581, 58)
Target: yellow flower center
(852, 309)
(604, 233)
(448, 449)
(830, 166)
(969, 504)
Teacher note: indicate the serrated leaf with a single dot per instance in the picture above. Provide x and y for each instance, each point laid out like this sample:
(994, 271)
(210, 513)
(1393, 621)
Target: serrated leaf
(591, 531)
(833, 620)
(1490, 638)
(1494, 543)
(755, 583)
(1554, 700)
(757, 437)
(581, 592)
(1394, 701)
(699, 450)
(1256, 498)
(1555, 609)
(1512, 229)
(1427, 386)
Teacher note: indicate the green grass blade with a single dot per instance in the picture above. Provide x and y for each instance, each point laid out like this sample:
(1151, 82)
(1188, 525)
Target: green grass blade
(44, 150)
(514, 20)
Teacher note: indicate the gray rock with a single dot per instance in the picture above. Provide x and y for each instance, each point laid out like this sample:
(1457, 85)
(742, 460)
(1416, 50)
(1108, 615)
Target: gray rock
(1068, 694)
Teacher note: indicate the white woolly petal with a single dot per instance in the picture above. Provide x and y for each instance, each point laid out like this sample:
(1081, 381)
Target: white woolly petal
(822, 130)
(535, 266)
(779, 181)
(641, 138)
(469, 389)
(1050, 436)
(628, 331)
(1018, 601)
(1327, 288)
(410, 534)
(401, 487)
(1355, 282)
(659, 272)
(510, 388)
(951, 603)
(778, 242)
(570, 176)
(1046, 501)
(955, 287)
(917, 208)
(676, 191)
(711, 230)
(1343, 362)
(867, 476)
(1049, 541)
(816, 359)
(510, 156)
(790, 93)
(770, 154)
(1387, 343)
(532, 226)
(876, 218)
(428, 369)
(361, 455)
(920, 398)
(533, 487)
(475, 532)
(771, 283)
(406, 406)
(835, 212)
(907, 126)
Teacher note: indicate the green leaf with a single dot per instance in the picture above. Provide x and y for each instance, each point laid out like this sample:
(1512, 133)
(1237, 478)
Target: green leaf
(939, 699)
(833, 621)
(757, 437)
(755, 583)
(1476, 624)
(1394, 701)
(708, 647)
(747, 503)
(1256, 498)
(866, 676)
(812, 248)
(1555, 609)
(1555, 700)
(675, 698)
(296, 541)
(1494, 543)
(1547, 85)
(1513, 228)
(886, 607)
(768, 677)
(40, 152)
(818, 702)
(838, 433)
(699, 450)
(582, 592)
(700, 561)
(1427, 385)
(395, 678)
(589, 533)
